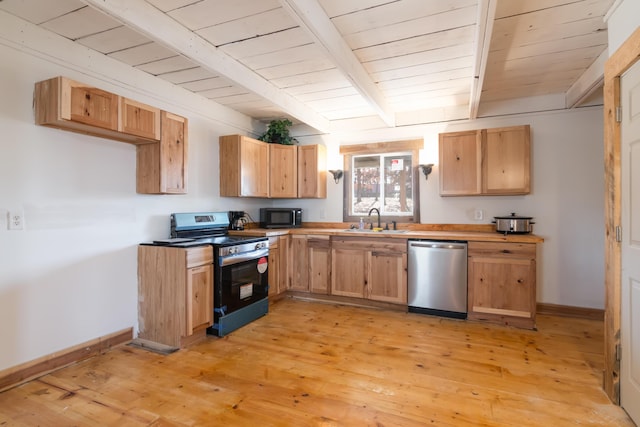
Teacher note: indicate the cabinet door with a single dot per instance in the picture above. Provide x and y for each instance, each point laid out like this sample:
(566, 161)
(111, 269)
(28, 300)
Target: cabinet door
(254, 175)
(89, 105)
(274, 267)
(286, 268)
(136, 118)
(388, 277)
(244, 167)
(460, 163)
(199, 294)
(162, 167)
(506, 160)
(283, 168)
(300, 269)
(348, 271)
(319, 258)
(173, 155)
(312, 173)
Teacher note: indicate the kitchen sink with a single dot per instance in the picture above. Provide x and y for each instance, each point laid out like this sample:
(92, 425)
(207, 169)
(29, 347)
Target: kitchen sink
(357, 230)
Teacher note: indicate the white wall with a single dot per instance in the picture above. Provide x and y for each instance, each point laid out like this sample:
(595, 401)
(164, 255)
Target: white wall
(71, 275)
(567, 198)
(622, 22)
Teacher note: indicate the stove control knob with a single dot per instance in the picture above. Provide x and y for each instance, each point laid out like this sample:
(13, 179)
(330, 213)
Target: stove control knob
(233, 250)
(260, 245)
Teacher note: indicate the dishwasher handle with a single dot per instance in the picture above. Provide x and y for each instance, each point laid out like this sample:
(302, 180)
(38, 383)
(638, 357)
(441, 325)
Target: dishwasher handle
(437, 245)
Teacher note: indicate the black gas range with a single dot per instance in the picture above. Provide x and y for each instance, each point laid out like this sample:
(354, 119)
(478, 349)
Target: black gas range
(240, 277)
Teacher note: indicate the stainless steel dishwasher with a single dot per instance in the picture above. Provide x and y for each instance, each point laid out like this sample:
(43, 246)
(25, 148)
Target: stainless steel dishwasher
(437, 278)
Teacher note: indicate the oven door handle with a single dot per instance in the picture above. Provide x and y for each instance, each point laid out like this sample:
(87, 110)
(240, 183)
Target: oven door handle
(246, 256)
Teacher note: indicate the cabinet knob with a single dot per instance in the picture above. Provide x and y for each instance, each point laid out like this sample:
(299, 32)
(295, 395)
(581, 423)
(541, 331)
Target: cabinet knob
(520, 281)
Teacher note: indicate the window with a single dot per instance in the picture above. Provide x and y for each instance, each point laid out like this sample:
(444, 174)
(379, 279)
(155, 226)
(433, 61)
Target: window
(377, 176)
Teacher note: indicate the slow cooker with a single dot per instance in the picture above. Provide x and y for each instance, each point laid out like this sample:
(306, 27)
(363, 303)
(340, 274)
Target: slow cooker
(513, 224)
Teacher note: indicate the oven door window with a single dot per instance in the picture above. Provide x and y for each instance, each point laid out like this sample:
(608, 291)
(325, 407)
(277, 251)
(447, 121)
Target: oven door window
(242, 284)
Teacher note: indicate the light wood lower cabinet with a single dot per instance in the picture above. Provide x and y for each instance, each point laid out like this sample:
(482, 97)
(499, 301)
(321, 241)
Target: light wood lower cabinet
(502, 283)
(175, 293)
(311, 270)
(369, 268)
(279, 264)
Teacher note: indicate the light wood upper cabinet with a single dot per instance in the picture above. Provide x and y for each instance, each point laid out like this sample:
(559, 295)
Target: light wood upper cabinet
(370, 268)
(502, 283)
(175, 293)
(489, 161)
(136, 118)
(252, 168)
(283, 171)
(162, 167)
(312, 171)
(460, 163)
(244, 167)
(66, 104)
(161, 137)
(506, 160)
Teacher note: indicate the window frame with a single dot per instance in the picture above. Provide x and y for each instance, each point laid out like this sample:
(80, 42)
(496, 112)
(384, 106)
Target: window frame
(379, 148)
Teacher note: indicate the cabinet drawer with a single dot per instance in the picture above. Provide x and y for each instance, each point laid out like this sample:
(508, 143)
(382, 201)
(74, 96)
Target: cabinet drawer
(199, 256)
(371, 244)
(318, 242)
(504, 250)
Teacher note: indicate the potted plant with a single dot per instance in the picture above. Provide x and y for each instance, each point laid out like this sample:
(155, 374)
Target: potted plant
(278, 133)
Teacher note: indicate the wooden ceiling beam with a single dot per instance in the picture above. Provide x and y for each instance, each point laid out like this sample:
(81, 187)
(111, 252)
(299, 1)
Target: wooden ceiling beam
(312, 17)
(591, 80)
(484, 30)
(146, 19)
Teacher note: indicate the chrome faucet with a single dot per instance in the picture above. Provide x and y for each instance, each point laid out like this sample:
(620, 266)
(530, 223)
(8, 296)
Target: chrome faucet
(378, 211)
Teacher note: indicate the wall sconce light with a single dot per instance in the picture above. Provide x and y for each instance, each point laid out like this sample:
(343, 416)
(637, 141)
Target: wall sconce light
(426, 170)
(337, 174)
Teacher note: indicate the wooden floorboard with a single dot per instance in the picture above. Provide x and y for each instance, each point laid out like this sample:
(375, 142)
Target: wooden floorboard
(317, 364)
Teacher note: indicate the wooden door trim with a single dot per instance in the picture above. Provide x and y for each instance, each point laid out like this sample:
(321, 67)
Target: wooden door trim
(625, 57)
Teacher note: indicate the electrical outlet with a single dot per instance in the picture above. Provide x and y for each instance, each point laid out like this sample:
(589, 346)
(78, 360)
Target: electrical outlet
(15, 220)
(478, 215)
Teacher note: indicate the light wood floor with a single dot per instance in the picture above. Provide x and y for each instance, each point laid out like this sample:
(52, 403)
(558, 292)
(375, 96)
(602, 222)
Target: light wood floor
(313, 364)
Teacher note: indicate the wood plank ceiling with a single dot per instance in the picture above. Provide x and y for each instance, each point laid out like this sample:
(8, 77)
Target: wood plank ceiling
(324, 61)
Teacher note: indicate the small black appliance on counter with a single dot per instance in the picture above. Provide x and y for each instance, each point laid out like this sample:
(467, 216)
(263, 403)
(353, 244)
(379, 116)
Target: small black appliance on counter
(280, 217)
(236, 220)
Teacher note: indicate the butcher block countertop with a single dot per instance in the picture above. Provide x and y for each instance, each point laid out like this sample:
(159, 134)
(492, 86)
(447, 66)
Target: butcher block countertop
(467, 232)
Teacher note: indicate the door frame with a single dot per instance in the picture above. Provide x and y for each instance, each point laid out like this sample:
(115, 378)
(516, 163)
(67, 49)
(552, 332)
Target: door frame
(623, 58)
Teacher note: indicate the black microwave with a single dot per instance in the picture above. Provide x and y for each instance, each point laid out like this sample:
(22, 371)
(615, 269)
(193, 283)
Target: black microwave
(280, 217)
